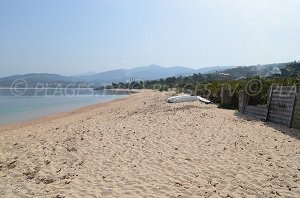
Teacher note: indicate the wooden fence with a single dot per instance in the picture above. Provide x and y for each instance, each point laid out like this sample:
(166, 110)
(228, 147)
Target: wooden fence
(283, 107)
(259, 112)
(296, 113)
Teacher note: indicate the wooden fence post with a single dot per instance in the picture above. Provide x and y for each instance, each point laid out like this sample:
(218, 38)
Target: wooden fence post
(294, 105)
(225, 97)
(269, 102)
(243, 100)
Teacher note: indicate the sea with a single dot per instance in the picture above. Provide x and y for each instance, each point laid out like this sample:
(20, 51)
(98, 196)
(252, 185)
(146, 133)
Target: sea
(21, 104)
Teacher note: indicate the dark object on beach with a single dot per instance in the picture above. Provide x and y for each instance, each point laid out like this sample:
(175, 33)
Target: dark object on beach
(213, 100)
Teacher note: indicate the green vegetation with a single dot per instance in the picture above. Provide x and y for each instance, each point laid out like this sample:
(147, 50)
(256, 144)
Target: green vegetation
(211, 85)
(291, 69)
(258, 70)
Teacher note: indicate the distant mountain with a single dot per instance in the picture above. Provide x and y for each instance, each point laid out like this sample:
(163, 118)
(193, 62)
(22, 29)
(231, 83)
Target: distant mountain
(156, 71)
(207, 70)
(38, 77)
(104, 77)
(33, 79)
(151, 72)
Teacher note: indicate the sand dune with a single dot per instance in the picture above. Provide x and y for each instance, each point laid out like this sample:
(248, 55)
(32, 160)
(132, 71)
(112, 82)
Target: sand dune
(143, 147)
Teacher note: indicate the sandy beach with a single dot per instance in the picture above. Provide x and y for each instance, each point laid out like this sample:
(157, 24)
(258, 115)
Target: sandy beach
(141, 146)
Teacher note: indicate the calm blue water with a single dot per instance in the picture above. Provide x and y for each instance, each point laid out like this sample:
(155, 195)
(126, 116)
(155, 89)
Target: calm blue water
(20, 105)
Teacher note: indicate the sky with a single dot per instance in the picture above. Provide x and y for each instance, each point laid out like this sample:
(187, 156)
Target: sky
(75, 37)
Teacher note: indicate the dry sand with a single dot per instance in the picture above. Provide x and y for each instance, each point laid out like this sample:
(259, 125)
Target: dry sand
(143, 147)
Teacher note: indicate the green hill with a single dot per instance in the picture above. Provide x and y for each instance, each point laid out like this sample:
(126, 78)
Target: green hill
(291, 69)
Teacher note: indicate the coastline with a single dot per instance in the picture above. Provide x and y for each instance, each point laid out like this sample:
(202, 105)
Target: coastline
(141, 146)
(129, 91)
(50, 117)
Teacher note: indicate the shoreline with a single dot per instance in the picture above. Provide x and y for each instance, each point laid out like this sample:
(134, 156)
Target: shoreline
(59, 115)
(130, 91)
(53, 116)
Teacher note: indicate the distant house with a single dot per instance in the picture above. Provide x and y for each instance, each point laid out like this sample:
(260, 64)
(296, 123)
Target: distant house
(224, 74)
(241, 78)
(276, 71)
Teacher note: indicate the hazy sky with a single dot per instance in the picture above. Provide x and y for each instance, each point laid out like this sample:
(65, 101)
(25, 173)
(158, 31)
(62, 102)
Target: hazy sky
(71, 37)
